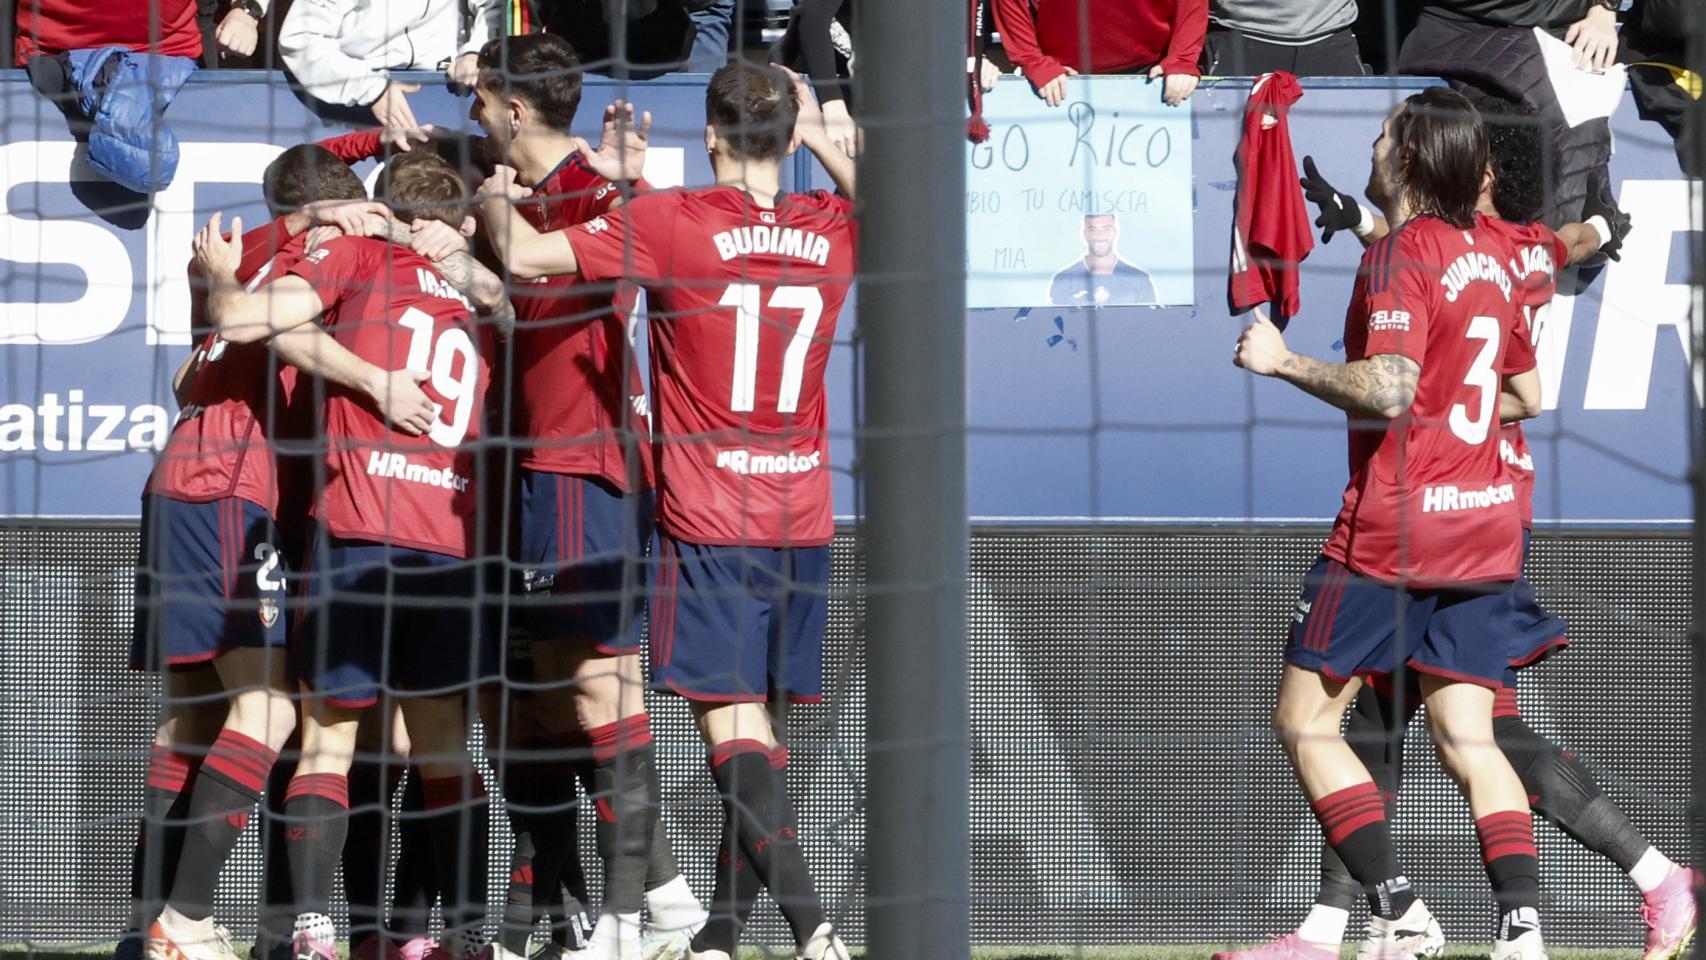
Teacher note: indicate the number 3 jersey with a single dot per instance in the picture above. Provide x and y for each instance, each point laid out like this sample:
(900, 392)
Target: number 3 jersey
(1428, 500)
(742, 301)
(388, 306)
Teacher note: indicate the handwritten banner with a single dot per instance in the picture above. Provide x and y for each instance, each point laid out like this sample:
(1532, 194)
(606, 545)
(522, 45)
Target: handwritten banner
(1086, 204)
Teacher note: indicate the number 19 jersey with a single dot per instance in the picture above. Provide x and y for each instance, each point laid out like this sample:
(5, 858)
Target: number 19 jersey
(388, 306)
(1428, 500)
(742, 302)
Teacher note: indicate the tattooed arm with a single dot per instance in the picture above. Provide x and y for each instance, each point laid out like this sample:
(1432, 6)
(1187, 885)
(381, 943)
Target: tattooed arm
(481, 286)
(1381, 386)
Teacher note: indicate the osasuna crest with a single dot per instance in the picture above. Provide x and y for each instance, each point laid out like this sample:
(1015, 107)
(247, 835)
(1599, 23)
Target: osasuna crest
(269, 612)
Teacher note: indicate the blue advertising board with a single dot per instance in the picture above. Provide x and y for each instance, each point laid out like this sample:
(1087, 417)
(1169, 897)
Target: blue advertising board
(1106, 412)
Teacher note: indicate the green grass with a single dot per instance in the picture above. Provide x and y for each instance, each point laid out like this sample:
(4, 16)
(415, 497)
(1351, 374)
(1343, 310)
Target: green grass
(1156, 952)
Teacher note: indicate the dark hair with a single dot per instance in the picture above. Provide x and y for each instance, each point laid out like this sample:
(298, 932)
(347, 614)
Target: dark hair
(540, 69)
(305, 173)
(1442, 154)
(1524, 166)
(752, 108)
(421, 186)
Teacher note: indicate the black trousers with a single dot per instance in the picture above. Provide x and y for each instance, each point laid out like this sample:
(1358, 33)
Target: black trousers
(1233, 53)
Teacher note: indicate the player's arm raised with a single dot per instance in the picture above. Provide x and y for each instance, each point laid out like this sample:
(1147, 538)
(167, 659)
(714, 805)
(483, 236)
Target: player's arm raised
(241, 316)
(1381, 386)
(525, 252)
(811, 132)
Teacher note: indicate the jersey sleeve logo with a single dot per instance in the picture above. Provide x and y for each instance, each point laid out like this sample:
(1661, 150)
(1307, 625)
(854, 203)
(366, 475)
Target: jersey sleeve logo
(596, 225)
(319, 255)
(1388, 320)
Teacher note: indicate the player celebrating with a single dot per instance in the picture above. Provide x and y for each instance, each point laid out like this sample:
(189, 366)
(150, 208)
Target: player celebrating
(211, 579)
(1429, 507)
(585, 514)
(1564, 791)
(392, 585)
(744, 285)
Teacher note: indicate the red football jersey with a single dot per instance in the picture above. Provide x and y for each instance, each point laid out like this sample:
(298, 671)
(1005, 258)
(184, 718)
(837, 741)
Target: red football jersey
(391, 308)
(1537, 254)
(1270, 228)
(742, 301)
(220, 446)
(576, 370)
(1429, 501)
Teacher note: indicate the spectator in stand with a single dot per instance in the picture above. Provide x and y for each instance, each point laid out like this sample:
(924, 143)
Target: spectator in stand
(1590, 26)
(1489, 46)
(112, 69)
(239, 33)
(343, 51)
(52, 27)
(713, 21)
(1309, 38)
(1050, 40)
(819, 44)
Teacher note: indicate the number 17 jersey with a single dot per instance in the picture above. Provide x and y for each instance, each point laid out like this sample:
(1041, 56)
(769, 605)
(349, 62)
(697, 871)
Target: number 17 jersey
(742, 302)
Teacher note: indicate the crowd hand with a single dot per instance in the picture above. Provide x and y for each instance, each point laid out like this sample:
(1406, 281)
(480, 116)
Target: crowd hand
(1339, 211)
(1594, 38)
(353, 218)
(839, 127)
(216, 257)
(621, 150)
(238, 33)
(1261, 347)
(403, 403)
(1176, 88)
(394, 114)
(501, 184)
(463, 71)
(1054, 91)
(988, 73)
(435, 239)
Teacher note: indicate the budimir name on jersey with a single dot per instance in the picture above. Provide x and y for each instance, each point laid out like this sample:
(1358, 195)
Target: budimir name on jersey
(774, 240)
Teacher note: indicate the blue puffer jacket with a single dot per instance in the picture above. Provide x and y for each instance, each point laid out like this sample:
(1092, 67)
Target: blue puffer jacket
(125, 95)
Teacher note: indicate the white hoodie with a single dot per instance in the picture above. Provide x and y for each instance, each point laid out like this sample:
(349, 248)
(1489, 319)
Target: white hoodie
(343, 50)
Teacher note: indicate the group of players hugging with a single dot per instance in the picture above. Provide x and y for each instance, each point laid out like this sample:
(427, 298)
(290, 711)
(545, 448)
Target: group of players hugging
(335, 428)
(328, 533)
(1418, 597)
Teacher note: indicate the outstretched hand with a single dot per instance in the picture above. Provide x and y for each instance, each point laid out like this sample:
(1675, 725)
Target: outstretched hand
(1339, 211)
(216, 257)
(621, 150)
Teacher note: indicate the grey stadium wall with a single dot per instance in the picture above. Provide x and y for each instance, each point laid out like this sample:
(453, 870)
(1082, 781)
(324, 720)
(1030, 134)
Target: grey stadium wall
(1126, 787)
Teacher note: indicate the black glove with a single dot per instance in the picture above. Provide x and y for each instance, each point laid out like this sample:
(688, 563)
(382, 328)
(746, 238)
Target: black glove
(1339, 211)
(1601, 203)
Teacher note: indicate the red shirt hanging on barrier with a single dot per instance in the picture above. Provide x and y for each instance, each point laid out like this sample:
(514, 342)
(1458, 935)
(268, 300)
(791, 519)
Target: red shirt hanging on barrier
(1270, 232)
